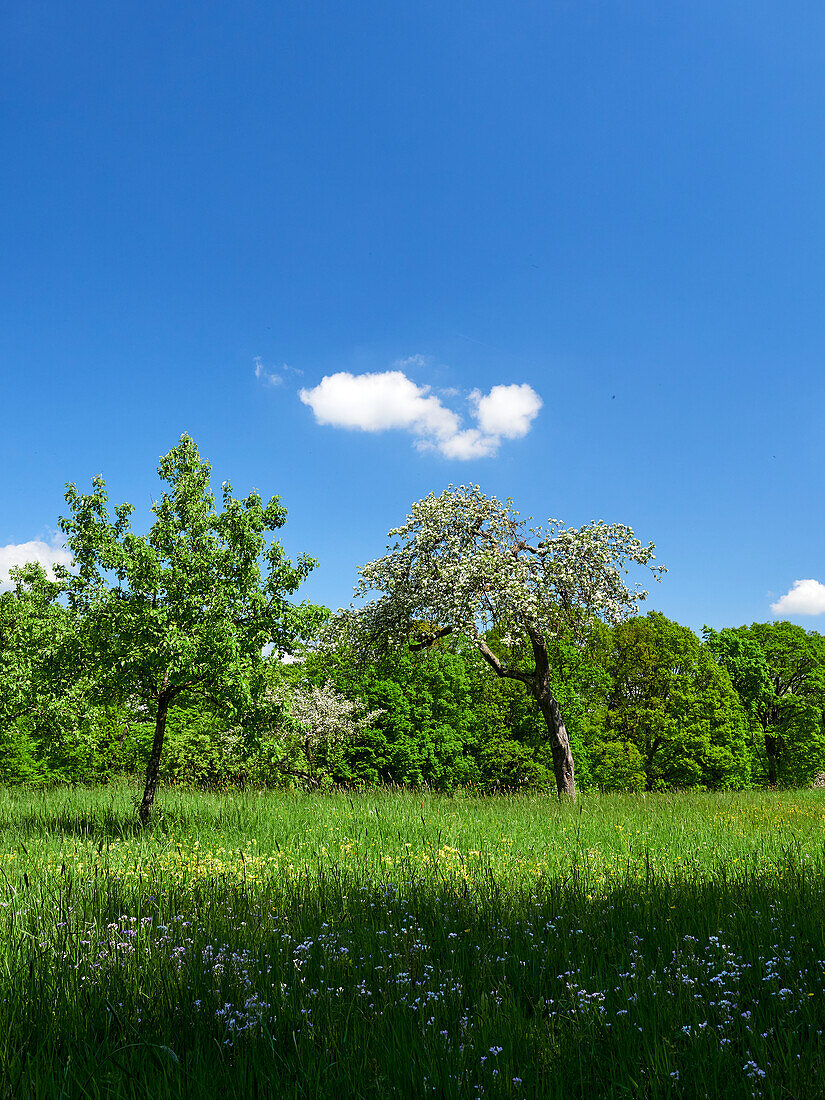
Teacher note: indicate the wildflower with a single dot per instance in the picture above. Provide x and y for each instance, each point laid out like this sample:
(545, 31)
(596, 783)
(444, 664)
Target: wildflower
(751, 1069)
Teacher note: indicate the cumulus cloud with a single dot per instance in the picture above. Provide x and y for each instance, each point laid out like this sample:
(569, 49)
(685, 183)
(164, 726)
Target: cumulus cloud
(805, 598)
(506, 411)
(20, 553)
(471, 443)
(377, 402)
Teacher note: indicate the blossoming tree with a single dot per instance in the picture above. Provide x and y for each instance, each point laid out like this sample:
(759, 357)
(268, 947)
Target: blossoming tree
(467, 563)
(325, 721)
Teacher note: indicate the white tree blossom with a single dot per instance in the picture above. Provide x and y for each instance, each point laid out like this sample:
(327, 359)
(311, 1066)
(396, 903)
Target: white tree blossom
(467, 562)
(320, 723)
(327, 718)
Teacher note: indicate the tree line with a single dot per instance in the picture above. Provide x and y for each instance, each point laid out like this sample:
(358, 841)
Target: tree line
(482, 654)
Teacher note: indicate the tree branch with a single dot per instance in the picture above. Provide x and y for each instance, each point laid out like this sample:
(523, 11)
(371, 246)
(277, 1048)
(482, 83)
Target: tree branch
(429, 639)
(295, 774)
(499, 669)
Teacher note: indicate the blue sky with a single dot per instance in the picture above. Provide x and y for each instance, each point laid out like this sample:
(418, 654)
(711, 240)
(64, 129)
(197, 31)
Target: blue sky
(210, 207)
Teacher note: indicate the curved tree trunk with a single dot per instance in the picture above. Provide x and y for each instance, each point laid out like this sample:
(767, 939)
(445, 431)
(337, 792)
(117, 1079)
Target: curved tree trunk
(559, 742)
(539, 683)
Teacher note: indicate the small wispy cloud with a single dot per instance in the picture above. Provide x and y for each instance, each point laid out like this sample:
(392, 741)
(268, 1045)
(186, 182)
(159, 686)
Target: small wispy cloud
(273, 378)
(806, 597)
(380, 401)
(416, 360)
(21, 553)
(264, 375)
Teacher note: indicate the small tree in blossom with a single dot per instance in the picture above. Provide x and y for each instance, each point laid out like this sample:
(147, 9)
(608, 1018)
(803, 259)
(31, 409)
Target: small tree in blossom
(326, 722)
(467, 563)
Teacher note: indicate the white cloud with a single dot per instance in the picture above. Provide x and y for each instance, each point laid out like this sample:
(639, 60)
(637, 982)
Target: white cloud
(506, 411)
(380, 401)
(471, 443)
(22, 552)
(376, 402)
(805, 598)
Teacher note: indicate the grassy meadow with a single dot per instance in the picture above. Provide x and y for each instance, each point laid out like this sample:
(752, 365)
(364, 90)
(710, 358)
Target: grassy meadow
(403, 944)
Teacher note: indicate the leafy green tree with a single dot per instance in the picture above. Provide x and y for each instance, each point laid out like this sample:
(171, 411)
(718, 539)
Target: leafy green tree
(30, 623)
(618, 766)
(183, 611)
(51, 727)
(778, 669)
(425, 725)
(443, 720)
(466, 563)
(676, 707)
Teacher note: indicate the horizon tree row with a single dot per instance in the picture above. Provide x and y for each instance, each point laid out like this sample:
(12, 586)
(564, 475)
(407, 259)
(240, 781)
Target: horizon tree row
(494, 655)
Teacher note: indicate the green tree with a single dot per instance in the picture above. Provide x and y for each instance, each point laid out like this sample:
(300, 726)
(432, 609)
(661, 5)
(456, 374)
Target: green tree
(675, 706)
(51, 727)
(778, 669)
(31, 624)
(423, 728)
(445, 720)
(183, 611)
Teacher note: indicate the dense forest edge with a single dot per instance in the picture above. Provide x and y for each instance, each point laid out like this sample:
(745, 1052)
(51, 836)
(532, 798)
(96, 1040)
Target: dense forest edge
(176, 649)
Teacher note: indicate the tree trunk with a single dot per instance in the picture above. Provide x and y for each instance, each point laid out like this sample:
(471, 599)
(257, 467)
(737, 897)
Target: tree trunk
(538, 682)
(153, 767)
(772, 753)
(549, 707)
(559, 743)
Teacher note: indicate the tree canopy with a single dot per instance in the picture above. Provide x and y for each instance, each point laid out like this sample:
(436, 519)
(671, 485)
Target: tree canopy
(779, 671)
(160, 655)
(186, 609)
(675, 706)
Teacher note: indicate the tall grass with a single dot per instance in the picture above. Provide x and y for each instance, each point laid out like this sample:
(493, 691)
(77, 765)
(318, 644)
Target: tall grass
(406, 944)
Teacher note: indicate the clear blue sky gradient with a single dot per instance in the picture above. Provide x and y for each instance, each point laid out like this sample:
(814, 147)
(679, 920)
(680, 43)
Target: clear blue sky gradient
(618, 203)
